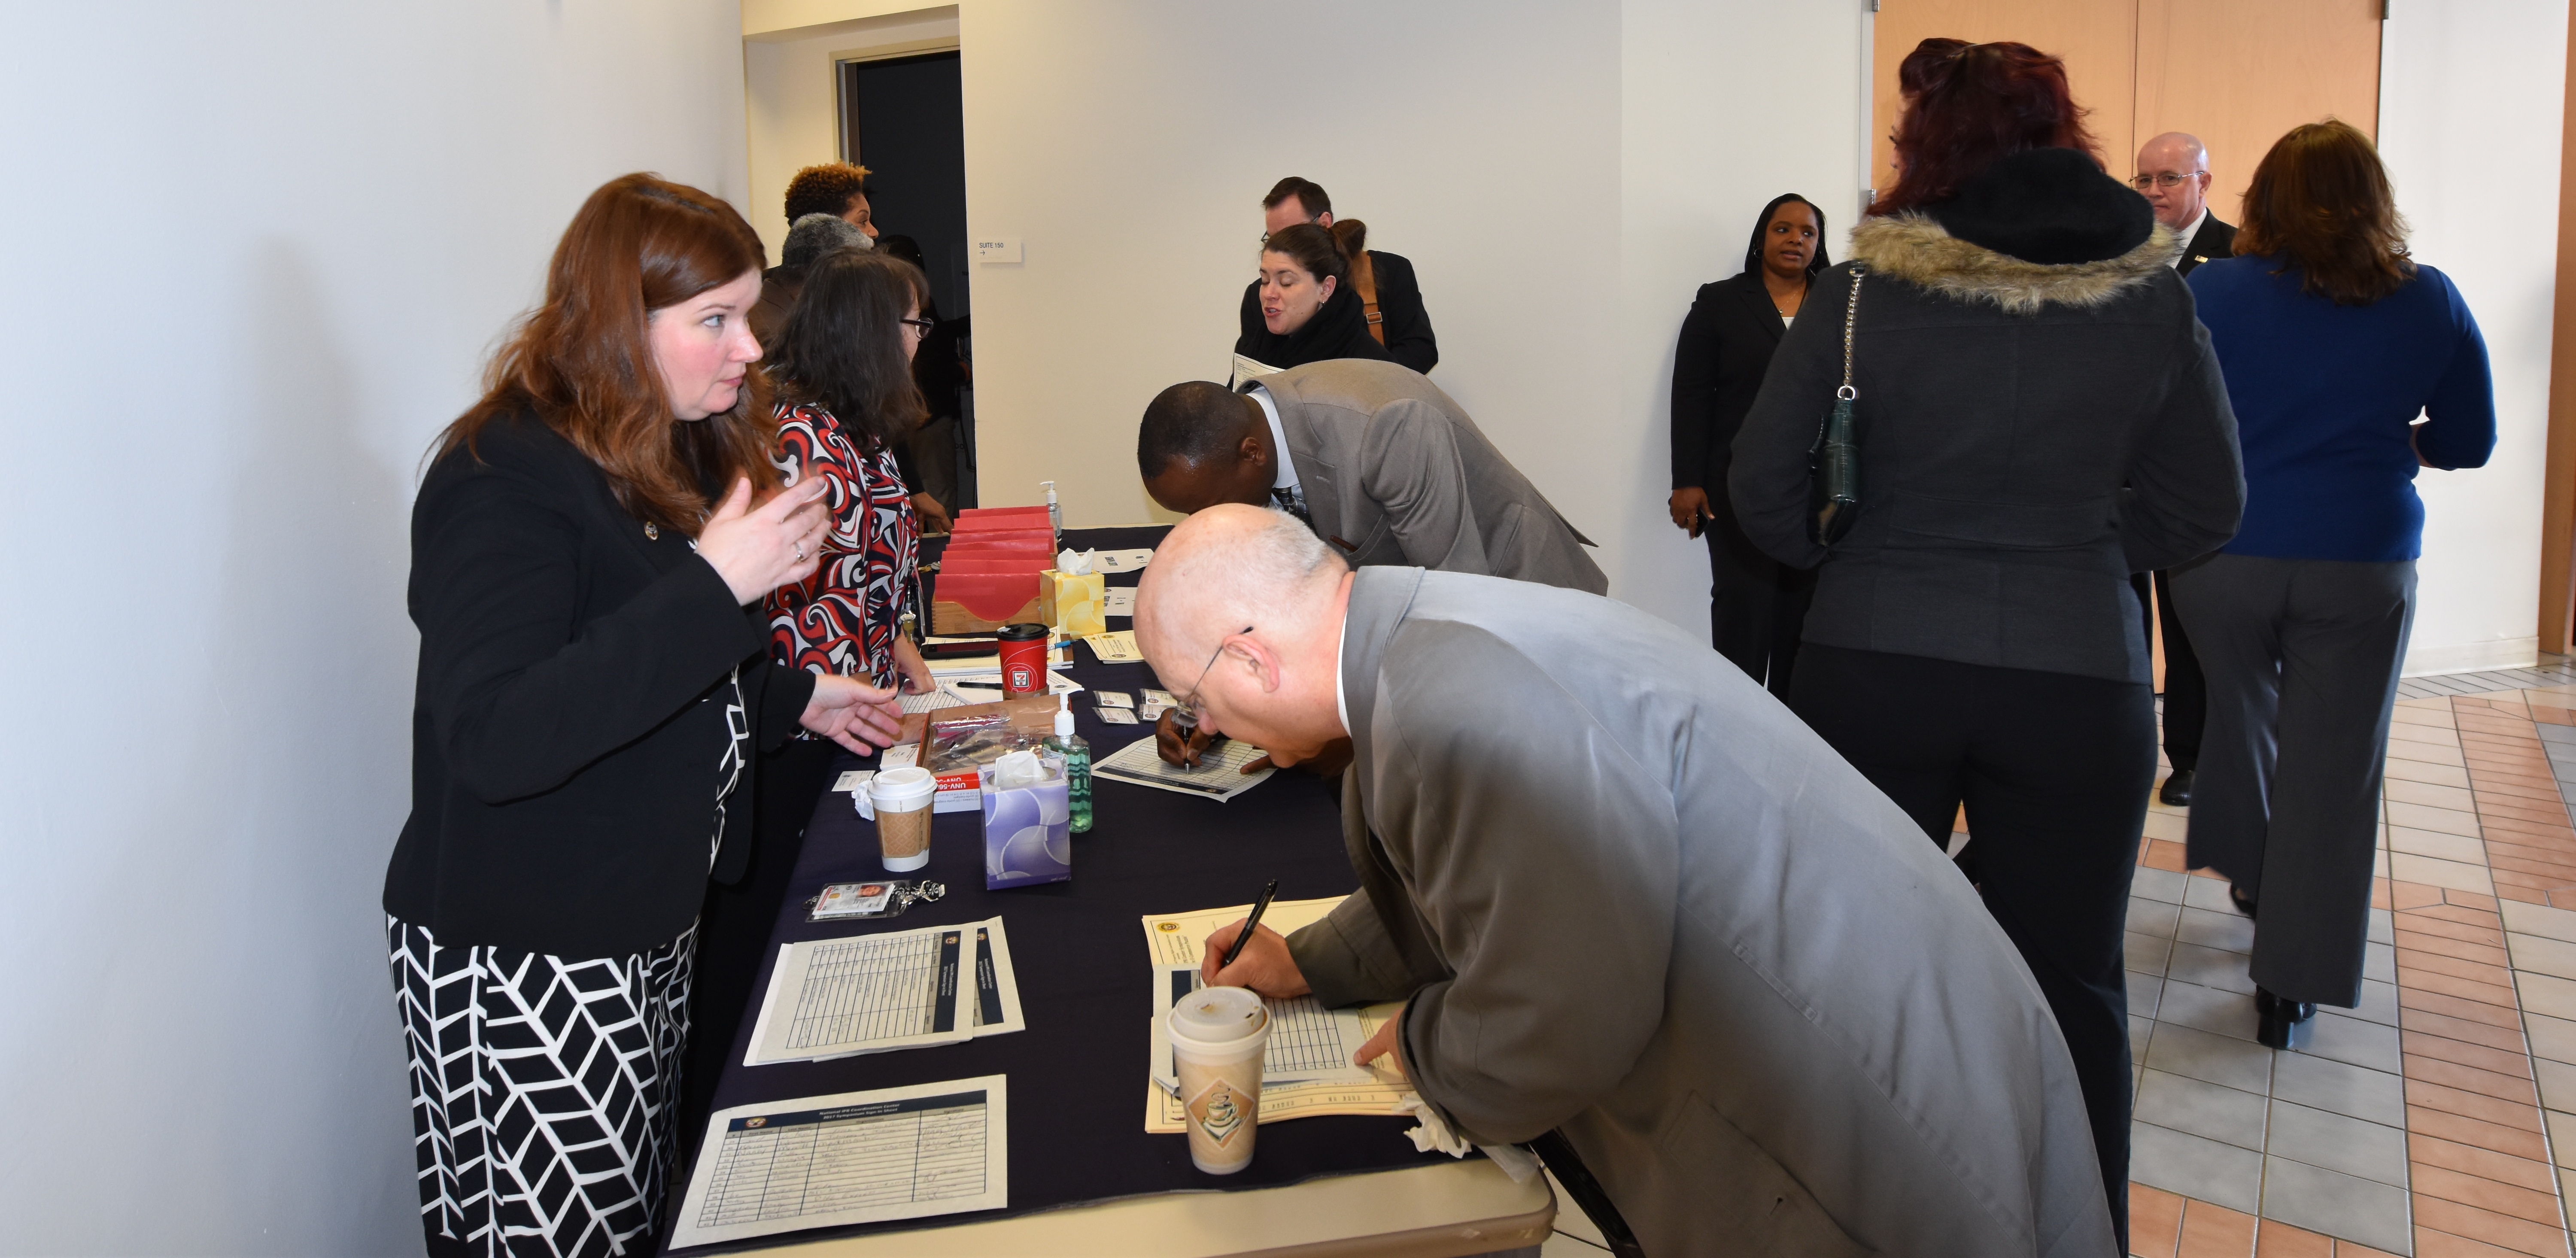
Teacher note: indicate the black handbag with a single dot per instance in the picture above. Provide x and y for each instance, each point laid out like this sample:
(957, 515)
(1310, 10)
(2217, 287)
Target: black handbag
(1833, 464)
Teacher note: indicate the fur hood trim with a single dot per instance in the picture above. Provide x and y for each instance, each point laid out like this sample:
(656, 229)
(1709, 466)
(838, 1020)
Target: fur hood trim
(1913, 248)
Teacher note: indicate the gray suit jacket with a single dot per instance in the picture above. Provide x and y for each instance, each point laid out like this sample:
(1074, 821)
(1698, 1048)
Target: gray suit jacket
(1396, 473)
(1629, 895)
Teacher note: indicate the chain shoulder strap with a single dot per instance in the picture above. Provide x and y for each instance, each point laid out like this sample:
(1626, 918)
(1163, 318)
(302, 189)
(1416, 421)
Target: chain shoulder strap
(1851, 315)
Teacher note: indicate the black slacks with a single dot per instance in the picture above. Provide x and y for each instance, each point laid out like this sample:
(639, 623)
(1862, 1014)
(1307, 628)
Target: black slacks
(2186, 689)
(1756, 604)
(2054, 770)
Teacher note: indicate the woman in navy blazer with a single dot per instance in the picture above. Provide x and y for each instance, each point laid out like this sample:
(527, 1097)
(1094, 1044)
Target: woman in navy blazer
(1755, 602)
(2332, 342)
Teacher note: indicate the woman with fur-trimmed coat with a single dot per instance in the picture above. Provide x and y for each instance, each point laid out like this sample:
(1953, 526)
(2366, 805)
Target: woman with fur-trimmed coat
(2039, 415)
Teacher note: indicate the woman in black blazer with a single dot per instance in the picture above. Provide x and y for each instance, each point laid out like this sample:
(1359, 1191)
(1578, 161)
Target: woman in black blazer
(590, 694)
(1755, 602)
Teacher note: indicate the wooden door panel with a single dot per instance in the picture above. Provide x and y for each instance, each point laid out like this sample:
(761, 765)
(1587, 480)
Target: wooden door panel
(2097, 39)
(2239, 75)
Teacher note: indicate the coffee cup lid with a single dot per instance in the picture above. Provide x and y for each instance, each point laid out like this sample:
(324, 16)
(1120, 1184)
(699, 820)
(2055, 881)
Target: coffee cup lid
(1021, 632)
(903, 785)
(1219, 1015)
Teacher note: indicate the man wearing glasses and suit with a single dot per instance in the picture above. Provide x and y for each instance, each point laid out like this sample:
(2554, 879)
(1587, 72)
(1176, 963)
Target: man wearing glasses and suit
(2173, 175)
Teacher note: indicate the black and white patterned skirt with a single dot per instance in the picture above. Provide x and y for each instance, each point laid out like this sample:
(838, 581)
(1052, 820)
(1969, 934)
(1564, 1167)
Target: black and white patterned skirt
(542, 1092)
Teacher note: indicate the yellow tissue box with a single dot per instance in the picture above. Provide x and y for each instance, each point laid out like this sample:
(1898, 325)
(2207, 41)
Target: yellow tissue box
(1074, 606)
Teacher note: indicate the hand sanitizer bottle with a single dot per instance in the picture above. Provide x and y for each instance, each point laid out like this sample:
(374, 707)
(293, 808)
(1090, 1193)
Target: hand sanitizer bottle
(1077, 763)
(1055, 512)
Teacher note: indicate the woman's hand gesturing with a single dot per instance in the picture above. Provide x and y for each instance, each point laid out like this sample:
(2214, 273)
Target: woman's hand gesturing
(854, 714)
(757, 550)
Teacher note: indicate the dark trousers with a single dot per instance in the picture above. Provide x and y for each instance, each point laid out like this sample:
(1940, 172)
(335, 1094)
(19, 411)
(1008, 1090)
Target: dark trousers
(1756, 604)
(2054, 770)
(2303, 657)
(735, 922)
(2186, 691)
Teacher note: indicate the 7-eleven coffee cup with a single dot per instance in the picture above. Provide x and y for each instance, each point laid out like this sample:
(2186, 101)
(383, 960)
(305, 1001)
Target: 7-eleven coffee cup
(1024, 660)
(1218, 1036)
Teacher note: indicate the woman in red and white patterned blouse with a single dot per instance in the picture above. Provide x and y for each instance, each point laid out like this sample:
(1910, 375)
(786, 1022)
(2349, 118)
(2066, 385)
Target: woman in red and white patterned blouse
(846, 396)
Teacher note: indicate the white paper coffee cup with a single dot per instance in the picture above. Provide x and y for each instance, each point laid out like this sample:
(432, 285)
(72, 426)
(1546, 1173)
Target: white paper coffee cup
(902, 799)
(1218, 1037)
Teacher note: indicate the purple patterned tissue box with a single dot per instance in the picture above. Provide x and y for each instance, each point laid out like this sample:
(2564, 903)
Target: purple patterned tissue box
(1028, 833)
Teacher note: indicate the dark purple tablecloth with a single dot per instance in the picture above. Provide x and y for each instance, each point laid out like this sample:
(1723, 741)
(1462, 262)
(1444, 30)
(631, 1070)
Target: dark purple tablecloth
(1077, 1074)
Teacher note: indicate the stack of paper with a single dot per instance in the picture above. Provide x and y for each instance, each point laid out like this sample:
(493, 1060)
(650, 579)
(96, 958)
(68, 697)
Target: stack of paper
(874, 993)
(854, 1157)
(1220, 774)
(1307, 1043)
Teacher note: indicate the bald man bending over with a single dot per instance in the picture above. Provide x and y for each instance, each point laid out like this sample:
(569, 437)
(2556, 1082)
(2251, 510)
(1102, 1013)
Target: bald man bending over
(2173, 175)
(1626, 895)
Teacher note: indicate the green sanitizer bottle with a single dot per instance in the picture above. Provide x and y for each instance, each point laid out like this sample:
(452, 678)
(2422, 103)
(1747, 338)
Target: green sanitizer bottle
(1077, 763)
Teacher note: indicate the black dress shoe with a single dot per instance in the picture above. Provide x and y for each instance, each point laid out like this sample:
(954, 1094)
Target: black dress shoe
(2177, 789)
(2283, 1023)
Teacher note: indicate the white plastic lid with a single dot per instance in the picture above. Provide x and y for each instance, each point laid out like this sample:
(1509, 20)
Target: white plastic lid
(1064, 716)
(1219, 1015)
(902, 786)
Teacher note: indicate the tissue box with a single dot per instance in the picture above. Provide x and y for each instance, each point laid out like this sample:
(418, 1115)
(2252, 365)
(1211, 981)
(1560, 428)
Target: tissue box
(1074, 606)
(1028, 830)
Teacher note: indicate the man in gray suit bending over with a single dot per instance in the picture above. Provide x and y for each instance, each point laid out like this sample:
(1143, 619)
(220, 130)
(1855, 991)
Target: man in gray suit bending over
(1378, 461)
(1626, 895)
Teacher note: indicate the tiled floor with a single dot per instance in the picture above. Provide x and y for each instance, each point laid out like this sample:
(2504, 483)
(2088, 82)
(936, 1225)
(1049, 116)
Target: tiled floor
(2436, 1120)
(2431, 1120)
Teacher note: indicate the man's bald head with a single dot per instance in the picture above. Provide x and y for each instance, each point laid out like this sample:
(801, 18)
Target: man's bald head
(1258, 589)
(2173, 175)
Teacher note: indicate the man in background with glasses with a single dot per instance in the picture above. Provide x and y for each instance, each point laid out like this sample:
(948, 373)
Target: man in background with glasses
(2173, 175)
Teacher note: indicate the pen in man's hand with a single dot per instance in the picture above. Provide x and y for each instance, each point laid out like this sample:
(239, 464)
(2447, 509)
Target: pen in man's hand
(1259, 907)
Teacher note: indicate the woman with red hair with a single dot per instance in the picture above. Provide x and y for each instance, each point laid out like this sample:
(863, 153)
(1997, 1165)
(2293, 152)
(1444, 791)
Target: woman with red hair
(2038, 416)
(590, 694)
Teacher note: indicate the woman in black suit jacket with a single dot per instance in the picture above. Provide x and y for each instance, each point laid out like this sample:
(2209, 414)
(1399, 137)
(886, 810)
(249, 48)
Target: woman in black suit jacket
(589, 697)
(1755, 602)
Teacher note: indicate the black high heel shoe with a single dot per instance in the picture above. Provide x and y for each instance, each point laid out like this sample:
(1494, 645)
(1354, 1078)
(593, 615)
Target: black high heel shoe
(2282, 1023)
(2244, 903)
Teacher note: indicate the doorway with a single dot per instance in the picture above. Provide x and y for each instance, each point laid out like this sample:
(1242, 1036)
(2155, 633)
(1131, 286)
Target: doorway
(902, 118)
(2145, 67)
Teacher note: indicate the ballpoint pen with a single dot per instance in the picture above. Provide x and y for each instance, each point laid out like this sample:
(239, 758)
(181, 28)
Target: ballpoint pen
(1258, 908)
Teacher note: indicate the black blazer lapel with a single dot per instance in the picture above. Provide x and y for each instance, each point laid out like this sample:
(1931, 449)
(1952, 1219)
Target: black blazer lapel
(1765, 314)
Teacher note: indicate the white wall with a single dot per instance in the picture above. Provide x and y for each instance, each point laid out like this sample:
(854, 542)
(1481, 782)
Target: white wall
(1563, 175)
(792, 102)
(259, 253)
(2469, 119)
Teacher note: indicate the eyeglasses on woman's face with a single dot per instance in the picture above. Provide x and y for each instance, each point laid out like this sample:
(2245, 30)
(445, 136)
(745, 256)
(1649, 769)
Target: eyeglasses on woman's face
(920, 327)
(2162, 179)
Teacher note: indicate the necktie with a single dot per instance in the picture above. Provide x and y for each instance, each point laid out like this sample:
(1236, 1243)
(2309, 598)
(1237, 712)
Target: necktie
(1292, 502)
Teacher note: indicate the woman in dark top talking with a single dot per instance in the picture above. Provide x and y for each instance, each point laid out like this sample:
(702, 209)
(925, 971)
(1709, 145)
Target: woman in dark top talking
(2039, 415)
(2333, 342)
(1309, 311)
(1755, 602)
(590, 695)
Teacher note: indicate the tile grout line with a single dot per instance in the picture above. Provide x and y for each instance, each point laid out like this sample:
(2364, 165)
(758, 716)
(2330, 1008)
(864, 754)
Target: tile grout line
(2522, 1008)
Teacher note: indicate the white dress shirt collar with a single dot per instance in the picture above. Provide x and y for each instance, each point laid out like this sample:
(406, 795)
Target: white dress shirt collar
(2189, 234)
(1287, 477)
